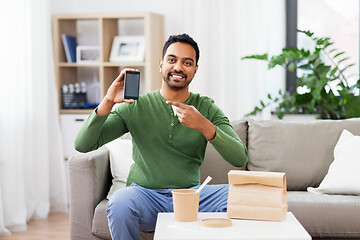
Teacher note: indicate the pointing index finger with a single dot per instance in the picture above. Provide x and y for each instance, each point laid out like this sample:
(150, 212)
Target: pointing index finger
(177, 104)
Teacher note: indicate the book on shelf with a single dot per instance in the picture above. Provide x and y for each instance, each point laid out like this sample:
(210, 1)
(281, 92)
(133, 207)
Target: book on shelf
(70, 44)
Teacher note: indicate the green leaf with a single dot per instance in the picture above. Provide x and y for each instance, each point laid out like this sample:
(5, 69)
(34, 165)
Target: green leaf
(258, 57)
(276, 60)
(322, 69)
(324, 42)
(292, 54)
(334, 71)
(262, 103)
(292, 67)
(301, 99)
(308, 33)
(344, 59)
(305, 67)
(319, 41)
(312, 103)
(341, 53)
(312, 58)
(348, 66)
(254, 112)
(281, 115)
(327, 44)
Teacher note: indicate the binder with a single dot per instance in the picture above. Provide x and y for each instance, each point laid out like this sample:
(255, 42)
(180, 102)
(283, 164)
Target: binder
(70, 44)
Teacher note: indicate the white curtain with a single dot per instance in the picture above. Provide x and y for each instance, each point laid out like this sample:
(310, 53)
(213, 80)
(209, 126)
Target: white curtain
(226, 31)
(32, 174)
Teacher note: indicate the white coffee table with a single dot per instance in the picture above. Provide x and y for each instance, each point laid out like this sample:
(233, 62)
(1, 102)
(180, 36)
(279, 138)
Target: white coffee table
(290, 229)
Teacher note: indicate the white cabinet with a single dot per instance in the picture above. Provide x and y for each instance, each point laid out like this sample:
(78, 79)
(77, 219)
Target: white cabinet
(70, 125)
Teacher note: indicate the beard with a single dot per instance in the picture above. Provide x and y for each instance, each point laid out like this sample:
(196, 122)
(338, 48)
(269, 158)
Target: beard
(173, 83)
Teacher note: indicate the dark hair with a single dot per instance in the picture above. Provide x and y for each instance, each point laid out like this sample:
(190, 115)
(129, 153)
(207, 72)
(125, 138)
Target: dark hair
(183, 38)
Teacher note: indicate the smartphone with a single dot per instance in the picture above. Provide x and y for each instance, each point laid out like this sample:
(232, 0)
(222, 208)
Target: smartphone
(132, 85)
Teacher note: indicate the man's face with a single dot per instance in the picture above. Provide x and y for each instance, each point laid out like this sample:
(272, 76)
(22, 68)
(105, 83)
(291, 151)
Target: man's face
(178, 67)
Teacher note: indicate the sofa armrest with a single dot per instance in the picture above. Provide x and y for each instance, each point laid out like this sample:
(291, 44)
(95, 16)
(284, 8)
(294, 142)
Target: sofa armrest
(88, 185)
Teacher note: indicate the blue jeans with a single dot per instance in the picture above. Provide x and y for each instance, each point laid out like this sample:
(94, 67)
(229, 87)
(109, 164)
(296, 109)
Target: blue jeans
(135, 208)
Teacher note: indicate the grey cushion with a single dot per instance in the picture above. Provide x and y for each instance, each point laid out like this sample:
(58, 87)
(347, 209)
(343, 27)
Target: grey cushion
(303, 150)
(326, 215)
(240, 127)
(214, 165)
(100, 224)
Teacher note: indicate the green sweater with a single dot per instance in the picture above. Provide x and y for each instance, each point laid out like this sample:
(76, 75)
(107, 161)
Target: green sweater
(166, 154)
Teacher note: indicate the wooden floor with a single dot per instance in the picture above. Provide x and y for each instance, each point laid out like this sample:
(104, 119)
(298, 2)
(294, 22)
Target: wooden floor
(55, 227)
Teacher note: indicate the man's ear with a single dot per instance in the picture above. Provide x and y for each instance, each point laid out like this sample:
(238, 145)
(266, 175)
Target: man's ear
(196, 68)
(160, 64)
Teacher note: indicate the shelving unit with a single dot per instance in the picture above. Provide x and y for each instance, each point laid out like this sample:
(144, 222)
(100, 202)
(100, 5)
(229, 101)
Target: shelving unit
(102, 30)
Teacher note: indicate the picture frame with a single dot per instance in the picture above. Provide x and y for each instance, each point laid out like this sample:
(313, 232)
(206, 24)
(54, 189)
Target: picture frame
(128, 49)
(87, 54)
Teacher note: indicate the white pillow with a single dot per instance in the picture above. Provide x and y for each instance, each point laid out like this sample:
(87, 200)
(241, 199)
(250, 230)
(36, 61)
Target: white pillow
(343, 174)
(120, 162)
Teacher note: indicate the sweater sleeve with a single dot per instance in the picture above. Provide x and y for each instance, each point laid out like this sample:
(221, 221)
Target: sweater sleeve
(99, 130)
(227, 143)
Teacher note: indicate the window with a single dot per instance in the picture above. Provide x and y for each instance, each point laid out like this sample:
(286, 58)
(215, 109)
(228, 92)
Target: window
(333, 18)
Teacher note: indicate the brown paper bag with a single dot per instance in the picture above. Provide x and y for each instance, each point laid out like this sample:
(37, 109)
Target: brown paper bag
(257, 195)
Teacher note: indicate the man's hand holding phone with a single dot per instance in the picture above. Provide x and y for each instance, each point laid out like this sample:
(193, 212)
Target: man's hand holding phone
(115, 94)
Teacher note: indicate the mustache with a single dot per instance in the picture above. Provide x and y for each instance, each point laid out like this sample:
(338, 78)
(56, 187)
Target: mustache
(177, 72)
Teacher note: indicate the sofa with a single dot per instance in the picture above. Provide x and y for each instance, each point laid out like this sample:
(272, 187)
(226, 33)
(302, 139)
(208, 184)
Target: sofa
(303, 150)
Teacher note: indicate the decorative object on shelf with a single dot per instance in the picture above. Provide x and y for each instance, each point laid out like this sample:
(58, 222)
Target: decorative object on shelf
(322, 77)
(73, 96)
(87, 54)
(128, 49)
(93, 90)
(70, 44)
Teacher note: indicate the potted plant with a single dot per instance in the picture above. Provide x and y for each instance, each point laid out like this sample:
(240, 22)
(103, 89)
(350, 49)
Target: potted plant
(319, 73)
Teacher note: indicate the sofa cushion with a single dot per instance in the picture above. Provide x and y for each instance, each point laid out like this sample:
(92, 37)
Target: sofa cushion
(335, 216)
(100, 224)
(343, 174)
(303, 150)
(241, 128)
(214, 165)
(120, 151)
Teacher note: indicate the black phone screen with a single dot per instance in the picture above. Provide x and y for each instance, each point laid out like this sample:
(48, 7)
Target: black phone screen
(132, 85)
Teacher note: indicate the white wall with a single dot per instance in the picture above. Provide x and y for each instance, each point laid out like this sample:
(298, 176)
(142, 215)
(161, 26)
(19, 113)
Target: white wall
(259, 28)
(171, 9)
